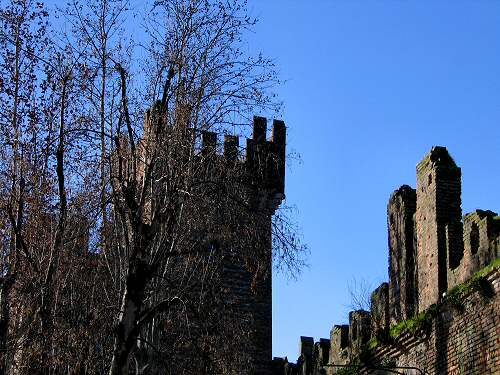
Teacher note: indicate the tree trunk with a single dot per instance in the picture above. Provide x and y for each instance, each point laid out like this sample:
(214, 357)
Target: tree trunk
(5, 288)
(127, 329)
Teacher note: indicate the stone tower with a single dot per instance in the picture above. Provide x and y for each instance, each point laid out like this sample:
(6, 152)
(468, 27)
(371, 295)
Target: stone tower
(402, 254)
(439, 227)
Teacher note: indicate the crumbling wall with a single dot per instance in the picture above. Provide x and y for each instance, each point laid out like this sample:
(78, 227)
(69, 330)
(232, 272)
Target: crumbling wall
(438, 222)
(449, 315)
(379, 313)
(402, 253)
(455, 342)
(481, 232)
(339, 345)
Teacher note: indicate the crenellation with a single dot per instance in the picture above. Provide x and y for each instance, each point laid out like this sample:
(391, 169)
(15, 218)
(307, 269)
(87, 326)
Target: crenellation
(320, 355)
(379, 312)
(208, 144)
(259, 129)
(264, 160)
(339, 345)
(431, 250)
(306, 353)
(324, 351)
(479, 237)
(231, 143)
(359, 331)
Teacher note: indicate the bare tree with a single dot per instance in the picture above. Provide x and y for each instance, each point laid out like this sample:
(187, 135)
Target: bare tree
(121, 213)
(360, 291)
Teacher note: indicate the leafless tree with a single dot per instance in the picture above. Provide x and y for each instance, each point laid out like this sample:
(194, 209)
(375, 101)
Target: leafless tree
(118, 211)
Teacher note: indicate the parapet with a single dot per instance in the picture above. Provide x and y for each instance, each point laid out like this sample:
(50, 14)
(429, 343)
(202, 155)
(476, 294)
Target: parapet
(437, 157)
(321, 354)
(431, 249)
(339, 345)
(380, 312)
(359, 331)
(306, 349)
(402, 253)
(262, 167)
(481, 233)
(265, 160)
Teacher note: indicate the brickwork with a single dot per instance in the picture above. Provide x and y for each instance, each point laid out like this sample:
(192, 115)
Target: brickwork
(339, 344)
(402, 253)
(359, 331)
(438, 218)
(260, 175)
(431, 250)
(379, 312)
(480, 247)
(458, 342)
(264, 165)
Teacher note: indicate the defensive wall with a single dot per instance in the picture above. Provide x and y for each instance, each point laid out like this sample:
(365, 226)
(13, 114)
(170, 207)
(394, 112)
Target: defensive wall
(439, 313)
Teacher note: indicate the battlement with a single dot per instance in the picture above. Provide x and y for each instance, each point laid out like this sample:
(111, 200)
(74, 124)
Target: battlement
(255, 175)
(431, 250)
(264, 160)
(260, 164)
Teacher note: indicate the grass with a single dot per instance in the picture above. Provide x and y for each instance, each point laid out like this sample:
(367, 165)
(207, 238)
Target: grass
(422, 323)
(455, 298)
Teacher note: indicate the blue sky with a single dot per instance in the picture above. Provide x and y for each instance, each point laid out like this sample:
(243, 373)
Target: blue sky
(371, 87)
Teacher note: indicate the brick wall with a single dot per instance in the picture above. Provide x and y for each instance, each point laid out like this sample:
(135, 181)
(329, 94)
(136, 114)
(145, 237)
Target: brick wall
(431, 250)
(465, 342)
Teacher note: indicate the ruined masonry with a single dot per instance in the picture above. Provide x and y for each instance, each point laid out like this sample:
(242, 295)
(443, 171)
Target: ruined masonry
(437, 314)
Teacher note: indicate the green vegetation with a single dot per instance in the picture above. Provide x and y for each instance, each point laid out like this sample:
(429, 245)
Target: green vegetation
(421, 323)
(388, 362)
(350, 369)
(344, 353)
(373, 343)
(455, 298)
(490, 267)
(456, 295)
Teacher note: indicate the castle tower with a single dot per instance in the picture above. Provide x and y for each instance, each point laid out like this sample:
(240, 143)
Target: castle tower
(402, 254)
(256, 181)
(438, 224)
(264, 175)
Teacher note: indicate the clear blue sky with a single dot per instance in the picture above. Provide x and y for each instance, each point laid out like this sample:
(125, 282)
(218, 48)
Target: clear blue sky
(372, 86)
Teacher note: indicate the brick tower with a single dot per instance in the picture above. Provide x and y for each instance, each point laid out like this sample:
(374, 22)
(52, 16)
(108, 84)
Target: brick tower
(402, 278)
(265, 170)
(438, 222)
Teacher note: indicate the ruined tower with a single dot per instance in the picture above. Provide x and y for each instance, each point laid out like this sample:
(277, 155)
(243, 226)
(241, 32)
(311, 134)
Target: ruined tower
(438, 313)
(439, 228)
(402, 253)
